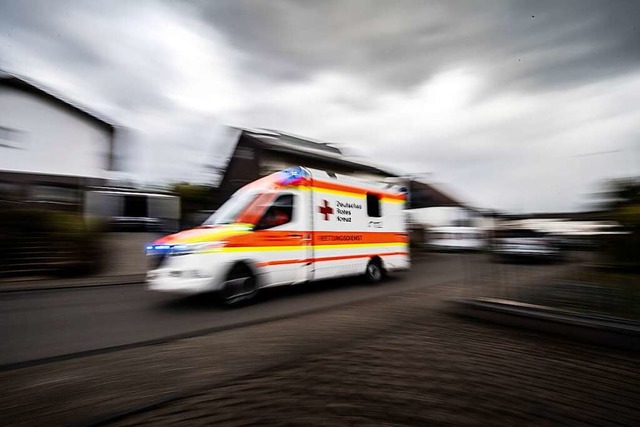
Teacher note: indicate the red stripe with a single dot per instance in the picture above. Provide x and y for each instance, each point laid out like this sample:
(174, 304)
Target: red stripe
(358, 237)
(263, 238)
(355, 190)
(332, 258)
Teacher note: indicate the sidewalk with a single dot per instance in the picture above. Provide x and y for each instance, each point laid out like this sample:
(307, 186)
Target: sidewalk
(47, 283)
(395, 360)
(126, 264)
(128, 267)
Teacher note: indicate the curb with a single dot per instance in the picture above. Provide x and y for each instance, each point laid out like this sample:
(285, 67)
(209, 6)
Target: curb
(50, 284)
(72, 283)
(600, 330)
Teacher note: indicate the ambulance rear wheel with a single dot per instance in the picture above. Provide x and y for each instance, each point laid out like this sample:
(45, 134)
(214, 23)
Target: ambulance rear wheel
(374, 272)
(240, 287)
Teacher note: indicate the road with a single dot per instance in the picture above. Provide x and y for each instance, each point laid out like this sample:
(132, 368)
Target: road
(44, 324)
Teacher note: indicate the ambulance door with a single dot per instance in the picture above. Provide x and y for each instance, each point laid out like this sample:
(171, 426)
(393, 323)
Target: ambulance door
(338, 219)
(284, 238)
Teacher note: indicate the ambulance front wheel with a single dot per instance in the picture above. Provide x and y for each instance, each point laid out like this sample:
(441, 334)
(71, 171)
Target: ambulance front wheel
(374, 272)
(240, 286)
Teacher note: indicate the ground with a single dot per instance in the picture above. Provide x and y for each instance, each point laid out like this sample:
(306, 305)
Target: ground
(398, 358)
(430, 369)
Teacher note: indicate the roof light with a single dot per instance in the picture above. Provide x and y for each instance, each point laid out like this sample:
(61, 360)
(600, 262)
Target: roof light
(293, 176)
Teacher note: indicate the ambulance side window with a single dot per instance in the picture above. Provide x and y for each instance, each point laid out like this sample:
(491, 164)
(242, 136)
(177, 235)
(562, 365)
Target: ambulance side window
(373, 205)
(279, 213)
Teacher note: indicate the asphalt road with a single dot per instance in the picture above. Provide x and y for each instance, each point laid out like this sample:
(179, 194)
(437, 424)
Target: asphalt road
(43, 324)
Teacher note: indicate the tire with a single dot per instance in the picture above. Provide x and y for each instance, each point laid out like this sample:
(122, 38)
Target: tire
(240, 287)
(374, 272)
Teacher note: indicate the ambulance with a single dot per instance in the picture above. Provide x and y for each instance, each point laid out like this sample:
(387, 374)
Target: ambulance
(291, 227)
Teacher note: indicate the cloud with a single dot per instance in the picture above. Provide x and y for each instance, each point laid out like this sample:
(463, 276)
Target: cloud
(399, 44)
(517, 149)
(499, 99)
(149, 66)
(135, 56)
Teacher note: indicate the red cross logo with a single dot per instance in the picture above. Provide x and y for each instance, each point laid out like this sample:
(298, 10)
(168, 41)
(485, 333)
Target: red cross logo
(326, 210)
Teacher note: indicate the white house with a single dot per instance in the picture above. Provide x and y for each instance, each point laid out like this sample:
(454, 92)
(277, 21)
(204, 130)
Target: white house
(50, 147)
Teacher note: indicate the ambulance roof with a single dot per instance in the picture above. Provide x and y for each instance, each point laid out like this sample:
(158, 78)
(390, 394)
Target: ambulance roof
(296, 175)
(353, 181)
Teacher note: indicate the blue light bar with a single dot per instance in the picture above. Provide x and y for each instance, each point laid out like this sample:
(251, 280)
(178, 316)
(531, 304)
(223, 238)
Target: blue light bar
(157, 249)
(179, 249)
(293, 175)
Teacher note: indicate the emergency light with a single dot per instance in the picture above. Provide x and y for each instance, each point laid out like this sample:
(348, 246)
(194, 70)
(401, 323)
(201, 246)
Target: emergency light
(293, 176)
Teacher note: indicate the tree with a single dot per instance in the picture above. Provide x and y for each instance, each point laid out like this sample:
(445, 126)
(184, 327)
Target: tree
(193, 199)
(622, 205)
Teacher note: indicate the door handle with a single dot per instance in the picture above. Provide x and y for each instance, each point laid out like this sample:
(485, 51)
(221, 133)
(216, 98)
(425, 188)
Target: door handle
(295, 235)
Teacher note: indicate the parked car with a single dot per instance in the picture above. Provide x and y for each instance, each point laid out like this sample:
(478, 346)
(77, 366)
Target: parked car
(455, 239)
(524, 243)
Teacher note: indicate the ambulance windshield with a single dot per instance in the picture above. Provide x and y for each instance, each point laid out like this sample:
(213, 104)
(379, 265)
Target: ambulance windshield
(230, 210)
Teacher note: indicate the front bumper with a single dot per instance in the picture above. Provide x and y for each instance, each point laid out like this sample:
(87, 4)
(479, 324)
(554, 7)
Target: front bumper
(188, 274)
(165, 280)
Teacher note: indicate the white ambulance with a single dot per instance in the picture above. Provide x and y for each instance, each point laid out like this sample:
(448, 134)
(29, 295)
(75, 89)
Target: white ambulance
(290, 227)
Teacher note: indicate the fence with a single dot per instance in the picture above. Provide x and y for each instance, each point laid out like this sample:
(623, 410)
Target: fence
(578, 283)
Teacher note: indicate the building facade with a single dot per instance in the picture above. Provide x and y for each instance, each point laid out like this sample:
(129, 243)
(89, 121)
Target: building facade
(261, 152)
(50, 148)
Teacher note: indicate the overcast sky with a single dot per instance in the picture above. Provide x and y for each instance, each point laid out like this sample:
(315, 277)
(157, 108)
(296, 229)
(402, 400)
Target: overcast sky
(514, 105)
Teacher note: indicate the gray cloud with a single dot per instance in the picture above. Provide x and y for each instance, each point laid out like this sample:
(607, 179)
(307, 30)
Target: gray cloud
(86, 40)
(400, 43)
(498, 98)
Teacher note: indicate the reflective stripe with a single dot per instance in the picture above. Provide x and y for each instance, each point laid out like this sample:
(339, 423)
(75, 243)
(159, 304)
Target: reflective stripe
(299, 247)
(332, 258)
(206, 234)
(275, 181)
(355, 237)
(359, 245)
(325, 186)
(385, 199)
(278, 238)
(241, 236)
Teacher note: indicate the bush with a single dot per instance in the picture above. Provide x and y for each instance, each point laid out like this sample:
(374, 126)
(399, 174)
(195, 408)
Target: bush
(622, 250)
(623, 206)
(193, 199)
(38, 240)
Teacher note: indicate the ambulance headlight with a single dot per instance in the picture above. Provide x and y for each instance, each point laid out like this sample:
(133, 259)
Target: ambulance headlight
(194, 248)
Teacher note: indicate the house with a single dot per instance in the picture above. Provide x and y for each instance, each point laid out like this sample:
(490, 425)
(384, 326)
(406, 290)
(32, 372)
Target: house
(259, 152)
(51, 148)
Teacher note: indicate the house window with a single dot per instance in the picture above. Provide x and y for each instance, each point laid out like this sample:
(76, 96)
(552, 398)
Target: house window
(135, 206)
(373, 205)
(55, 194)
(10, 138)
